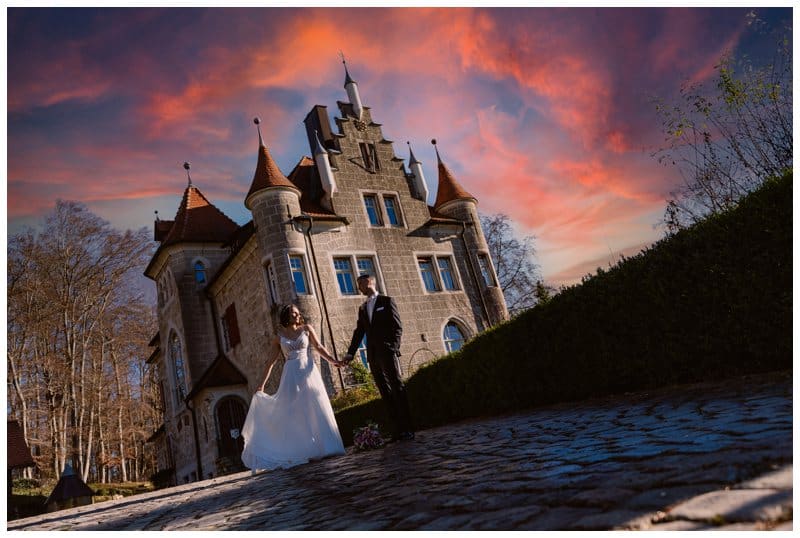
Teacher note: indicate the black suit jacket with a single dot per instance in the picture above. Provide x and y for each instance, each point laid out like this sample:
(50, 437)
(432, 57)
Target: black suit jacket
(383, 332)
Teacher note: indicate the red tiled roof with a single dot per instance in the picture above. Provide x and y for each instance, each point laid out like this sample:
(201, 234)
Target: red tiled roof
(449, 188)
(198, 220)
(267, 174)
(19, 455)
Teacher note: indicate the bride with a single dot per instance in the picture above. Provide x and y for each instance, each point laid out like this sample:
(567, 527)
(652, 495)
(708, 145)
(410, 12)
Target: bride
(296, 424)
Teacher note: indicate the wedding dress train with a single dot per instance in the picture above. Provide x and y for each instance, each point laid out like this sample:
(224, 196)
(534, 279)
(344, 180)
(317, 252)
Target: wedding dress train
(296, 424)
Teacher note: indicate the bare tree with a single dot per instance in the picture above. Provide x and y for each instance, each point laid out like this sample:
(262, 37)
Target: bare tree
(74, 331)
(727, 138)
(517, 273)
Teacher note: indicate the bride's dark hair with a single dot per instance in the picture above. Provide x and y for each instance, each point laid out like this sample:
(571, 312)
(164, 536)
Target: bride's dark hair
(286, 315)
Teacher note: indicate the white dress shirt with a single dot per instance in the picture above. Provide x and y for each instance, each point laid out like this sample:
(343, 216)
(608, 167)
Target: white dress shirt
(371, 305)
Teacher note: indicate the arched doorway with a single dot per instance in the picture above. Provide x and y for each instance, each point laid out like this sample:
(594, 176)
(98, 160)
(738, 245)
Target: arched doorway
(230, 415)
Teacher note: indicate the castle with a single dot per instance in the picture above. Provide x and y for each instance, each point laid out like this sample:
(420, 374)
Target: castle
(351, 208)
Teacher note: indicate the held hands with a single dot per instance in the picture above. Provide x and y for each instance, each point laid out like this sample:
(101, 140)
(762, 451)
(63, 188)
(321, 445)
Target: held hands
(343, 362)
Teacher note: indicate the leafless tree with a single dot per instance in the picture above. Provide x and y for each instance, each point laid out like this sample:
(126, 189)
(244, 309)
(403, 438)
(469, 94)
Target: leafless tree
(513, 258)
(75, 334)
(727, 136)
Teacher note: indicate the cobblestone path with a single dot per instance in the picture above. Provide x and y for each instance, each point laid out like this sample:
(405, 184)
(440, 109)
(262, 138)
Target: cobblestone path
(708, 456)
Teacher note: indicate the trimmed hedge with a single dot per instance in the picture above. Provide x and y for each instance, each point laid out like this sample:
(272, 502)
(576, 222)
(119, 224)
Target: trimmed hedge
(709, 302)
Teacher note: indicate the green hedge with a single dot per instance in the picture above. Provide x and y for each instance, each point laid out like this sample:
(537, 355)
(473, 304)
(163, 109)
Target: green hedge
(709, 302)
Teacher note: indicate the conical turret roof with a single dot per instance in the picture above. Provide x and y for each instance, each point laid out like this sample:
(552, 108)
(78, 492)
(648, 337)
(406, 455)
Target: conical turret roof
(267, 173)
(449, 189)
(198, 220)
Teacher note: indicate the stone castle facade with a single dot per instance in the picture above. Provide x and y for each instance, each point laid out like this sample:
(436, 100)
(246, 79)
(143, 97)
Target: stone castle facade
(352, 207)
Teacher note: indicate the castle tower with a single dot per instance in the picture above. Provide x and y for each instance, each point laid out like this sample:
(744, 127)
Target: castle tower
(274, 202)
(455, 202)
(190, 253)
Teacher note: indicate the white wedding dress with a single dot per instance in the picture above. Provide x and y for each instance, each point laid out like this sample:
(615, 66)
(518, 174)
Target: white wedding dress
(296, 424)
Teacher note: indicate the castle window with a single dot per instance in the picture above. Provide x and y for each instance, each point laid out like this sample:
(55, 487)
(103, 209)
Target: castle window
(347, 268)
(446, 272)
(453, 337)
(176, 354)
(438, 273)
(486, 270)
(199, 272)
(370, 155)
(230, 328)
(383, 209)
(366, 266)
(344, 276)
(299, 275)
(373, 210)
(272, 283)
(428, 273)
(390, 202)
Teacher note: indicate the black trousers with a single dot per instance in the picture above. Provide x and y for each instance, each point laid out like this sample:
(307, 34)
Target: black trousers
(386, 372)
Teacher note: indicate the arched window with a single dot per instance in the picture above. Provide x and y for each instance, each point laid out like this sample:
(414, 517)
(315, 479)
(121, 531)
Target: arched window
(176, 354)
(199, 272)
(453, 337)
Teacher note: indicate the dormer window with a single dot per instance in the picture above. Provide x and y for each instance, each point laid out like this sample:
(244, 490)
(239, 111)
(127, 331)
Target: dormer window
(199, 272)
(370, 155)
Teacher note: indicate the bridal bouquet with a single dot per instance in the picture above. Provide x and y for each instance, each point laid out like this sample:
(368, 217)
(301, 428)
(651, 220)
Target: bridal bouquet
(367, 437)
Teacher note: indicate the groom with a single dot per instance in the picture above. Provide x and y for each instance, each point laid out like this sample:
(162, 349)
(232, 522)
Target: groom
(379, 320)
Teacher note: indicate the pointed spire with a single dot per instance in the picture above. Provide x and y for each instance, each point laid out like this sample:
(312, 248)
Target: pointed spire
(257, 121)
(352, 91)
(186, 166)
(347, 78)
(420, 185)
(267, 173)
(412, 160)
(319, 148)
(449, 189)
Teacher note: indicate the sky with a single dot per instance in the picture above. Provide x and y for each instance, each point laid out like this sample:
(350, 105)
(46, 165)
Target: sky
(546, 115)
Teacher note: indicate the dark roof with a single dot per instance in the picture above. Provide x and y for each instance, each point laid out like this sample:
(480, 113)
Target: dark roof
(161, 229)
(306, 178)
(221, 373)
(156, 352)
(155, 340)
(438, 218)
(160, 431)
(234, 244)
(19, 455)
(69, 486)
